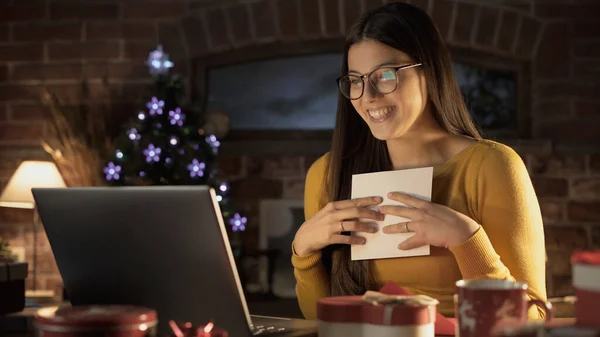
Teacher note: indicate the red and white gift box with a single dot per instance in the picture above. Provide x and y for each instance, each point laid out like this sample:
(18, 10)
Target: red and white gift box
(377, 314)
(586, 281)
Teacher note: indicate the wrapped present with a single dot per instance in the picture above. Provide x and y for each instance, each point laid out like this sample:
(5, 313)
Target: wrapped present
(12, 286)
(377, 314)
(586, 281)
(96, 321)
(444, 326)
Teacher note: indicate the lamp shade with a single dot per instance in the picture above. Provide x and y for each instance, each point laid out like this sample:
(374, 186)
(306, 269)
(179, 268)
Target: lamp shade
(28, 175)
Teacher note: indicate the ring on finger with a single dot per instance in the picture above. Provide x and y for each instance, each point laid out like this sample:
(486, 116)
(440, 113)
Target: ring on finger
(406, 227)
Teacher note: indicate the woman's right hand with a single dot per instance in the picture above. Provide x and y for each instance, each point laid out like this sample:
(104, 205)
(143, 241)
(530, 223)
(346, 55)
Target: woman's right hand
(326, 226)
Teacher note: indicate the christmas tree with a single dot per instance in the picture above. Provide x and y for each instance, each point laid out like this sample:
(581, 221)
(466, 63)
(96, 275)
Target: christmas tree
(164, 143)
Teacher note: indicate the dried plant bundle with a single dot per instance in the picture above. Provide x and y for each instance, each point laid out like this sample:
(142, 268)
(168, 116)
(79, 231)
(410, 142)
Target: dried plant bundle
(77, 140)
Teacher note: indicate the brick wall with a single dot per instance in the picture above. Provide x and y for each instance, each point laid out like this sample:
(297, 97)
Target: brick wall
(62, 44)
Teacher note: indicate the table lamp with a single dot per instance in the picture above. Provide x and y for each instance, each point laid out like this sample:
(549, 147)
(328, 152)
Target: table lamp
(17, 193)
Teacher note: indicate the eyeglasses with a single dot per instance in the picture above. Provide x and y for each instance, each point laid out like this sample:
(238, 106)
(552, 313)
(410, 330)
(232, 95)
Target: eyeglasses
(384, 80)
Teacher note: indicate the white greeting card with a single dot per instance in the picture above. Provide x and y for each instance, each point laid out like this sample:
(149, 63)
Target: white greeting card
(416, 182)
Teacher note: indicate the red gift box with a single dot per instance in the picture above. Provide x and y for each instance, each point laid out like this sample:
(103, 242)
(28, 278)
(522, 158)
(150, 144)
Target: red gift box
(390, 312)
(96, 320)
(444, 326)
(586, 281)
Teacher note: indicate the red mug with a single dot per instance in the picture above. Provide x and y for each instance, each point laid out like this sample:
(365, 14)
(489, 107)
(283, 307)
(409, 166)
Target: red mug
(482, 304)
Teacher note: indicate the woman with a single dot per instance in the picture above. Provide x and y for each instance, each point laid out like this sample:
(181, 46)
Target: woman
(400, 107)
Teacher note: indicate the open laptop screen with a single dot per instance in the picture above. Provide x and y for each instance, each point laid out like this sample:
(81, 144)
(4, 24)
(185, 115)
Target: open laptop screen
(164, 247)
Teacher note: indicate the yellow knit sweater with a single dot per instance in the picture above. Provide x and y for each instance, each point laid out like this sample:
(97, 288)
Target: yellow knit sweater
(486, 181)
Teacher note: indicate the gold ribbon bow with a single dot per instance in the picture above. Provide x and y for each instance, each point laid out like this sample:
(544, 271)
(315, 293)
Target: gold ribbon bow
(390, 301)
(376, 298)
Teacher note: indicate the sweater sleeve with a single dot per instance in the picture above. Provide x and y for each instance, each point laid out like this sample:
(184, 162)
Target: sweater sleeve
(312, 280)
(510, 242)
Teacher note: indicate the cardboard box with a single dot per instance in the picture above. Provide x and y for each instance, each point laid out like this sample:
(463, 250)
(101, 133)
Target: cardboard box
(12, 286)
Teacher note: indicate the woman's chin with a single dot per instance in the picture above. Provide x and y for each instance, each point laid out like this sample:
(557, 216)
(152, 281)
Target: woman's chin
(383, 136)
(384, 132)
(389, 129)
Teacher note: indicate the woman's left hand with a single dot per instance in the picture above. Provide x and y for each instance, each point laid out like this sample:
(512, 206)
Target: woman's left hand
(433, 224)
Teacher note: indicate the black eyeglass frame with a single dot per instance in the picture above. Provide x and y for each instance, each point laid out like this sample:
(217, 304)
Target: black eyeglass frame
(367, 76)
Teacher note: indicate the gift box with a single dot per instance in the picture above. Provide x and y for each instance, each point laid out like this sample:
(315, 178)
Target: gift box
(586, 281)
(12, 286)
(96, 321)
(377, 314)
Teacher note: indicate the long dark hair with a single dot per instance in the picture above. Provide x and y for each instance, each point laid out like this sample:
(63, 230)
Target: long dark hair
(355, 150)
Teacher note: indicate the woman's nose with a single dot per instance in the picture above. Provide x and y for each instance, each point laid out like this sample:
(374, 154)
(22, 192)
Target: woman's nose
(370, 92)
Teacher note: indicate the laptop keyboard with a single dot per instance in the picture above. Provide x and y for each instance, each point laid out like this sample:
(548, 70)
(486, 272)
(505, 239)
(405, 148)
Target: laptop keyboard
(261, 330)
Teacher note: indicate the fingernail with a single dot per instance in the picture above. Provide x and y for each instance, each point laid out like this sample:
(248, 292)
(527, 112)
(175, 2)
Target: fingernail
(382, 217)
(363, 241)
(385, 229)
(378, 199)
(374, 228)
(391, 194)
(401, 246)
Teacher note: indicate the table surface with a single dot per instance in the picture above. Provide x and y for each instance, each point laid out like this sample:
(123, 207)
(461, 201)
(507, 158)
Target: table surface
(24, 319)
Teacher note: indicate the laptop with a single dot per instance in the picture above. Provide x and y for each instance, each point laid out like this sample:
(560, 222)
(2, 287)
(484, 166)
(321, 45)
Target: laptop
(163, 247)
